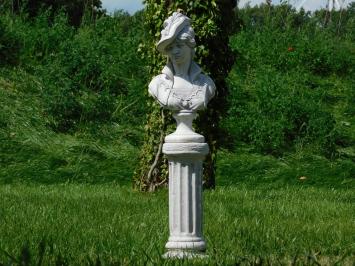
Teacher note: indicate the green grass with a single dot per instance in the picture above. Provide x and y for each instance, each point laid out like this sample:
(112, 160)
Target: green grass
(245, 167)
(66, 194)
(116, 224)
(71, 191)
(30, 151)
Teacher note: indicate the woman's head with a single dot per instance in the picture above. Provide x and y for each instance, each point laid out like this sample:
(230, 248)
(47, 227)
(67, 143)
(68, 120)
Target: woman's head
(181, 49)
(177, 28)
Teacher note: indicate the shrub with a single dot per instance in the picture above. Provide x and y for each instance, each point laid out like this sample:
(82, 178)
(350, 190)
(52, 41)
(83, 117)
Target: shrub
(274, 112)
(91, 72)
(43, 37)
(289, 64)
(289, 40)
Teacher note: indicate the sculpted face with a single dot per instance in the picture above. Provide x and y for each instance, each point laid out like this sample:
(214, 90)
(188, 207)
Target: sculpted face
(178, 52)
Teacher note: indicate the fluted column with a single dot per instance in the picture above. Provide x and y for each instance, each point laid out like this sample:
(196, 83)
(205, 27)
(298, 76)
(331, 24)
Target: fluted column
(185, 198)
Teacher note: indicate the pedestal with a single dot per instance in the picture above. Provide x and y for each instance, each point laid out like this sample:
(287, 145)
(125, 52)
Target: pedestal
(185, 192)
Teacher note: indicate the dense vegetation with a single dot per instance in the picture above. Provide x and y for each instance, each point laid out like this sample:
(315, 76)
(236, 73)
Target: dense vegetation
(73, 109)
(293, 82)
(60, 82)
(74, 9)
(291, 90)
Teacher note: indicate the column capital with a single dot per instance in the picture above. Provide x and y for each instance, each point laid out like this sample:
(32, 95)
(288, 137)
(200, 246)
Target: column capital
(185, 149)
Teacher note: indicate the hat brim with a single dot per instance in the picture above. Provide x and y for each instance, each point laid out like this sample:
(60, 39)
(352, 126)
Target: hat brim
(163, 43)
(173, 33)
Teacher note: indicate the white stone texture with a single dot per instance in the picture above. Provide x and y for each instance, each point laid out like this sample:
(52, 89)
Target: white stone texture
(174, 94)
(184, 89)
(184, 132)
(185, 188)
(185, 196)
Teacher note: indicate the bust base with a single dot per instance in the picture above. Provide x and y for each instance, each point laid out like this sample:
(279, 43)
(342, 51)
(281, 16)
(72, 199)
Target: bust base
(184, 132)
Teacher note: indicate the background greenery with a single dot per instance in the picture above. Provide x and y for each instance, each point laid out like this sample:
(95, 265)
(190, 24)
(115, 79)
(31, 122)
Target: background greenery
(73, 108)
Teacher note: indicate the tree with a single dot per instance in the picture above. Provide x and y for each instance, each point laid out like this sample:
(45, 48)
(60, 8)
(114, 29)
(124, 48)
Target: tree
(213, 21)
(74, 8)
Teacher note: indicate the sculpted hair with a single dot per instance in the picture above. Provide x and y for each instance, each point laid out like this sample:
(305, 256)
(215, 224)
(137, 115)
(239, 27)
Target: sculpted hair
(187, 35)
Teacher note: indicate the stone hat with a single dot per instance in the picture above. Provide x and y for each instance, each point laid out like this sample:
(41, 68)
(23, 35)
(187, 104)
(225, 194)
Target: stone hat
(172, 27)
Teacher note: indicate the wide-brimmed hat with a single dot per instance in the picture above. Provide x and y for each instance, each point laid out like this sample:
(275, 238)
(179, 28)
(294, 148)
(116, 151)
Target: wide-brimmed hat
(172, 27)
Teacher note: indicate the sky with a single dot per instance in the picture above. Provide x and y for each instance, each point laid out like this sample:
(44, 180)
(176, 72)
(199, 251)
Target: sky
(128, 5)
(134, 5)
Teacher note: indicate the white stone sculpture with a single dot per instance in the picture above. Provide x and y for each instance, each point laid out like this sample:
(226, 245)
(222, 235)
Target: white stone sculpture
(182, 88)
(181, 85)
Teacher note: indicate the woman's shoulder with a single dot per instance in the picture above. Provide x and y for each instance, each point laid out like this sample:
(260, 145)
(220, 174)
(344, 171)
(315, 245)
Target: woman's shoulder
(206, 81)
(160, 88)
(159, 80)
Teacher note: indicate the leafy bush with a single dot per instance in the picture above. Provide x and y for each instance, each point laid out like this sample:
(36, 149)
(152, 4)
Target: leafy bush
(289, 40)
(75, 9)
(274, 111)
(90, 73)
(317, 52)
(43, 37)
(289, 65)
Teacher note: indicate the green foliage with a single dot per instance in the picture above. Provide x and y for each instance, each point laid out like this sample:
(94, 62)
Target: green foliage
(91, 74)
(287, 64)
(99, 69)
(271, 111)
(339, 23)
(56, 88)
(32, 152)
(74, 105)
(43, 39)
(290, 40)
(74, 9)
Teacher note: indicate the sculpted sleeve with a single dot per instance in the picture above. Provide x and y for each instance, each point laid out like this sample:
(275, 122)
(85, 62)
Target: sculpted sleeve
(160, 89)
(210, 90)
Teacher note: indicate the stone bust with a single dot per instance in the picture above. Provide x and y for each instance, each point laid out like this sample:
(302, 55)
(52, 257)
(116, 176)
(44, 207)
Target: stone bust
(181, 84)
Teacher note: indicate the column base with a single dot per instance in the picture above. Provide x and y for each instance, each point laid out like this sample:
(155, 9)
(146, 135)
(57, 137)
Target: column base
(184, 254)
(186, 243)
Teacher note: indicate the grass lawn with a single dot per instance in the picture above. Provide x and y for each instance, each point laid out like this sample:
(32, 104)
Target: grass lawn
(79, 223)
(72, 121)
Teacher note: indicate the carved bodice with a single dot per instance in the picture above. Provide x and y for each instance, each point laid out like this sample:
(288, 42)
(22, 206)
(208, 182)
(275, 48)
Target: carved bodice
(194, 95)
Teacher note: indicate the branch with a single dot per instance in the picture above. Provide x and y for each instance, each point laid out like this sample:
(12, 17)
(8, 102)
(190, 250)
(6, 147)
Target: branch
(161, 140)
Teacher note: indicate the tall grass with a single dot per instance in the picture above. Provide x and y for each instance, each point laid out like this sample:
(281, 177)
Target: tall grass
(30, 151)
(65, 104)
(111, 223)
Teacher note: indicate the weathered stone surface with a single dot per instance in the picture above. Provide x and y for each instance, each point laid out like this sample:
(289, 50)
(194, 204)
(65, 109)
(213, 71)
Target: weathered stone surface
(182, 88)
(192, 151)
(181, 85)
